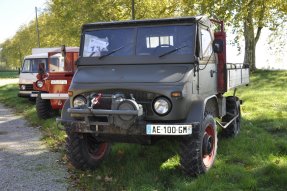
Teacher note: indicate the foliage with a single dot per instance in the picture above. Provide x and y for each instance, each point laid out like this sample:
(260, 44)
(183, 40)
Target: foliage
(246, 17)
(255, 160)
(61, 23)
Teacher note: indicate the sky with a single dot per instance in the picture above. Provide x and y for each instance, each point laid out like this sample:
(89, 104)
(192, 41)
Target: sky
(14, 13)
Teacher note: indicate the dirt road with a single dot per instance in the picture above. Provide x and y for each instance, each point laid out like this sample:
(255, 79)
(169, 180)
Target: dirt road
(25, 163)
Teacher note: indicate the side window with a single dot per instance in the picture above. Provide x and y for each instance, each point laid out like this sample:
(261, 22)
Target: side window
(54, 64)
(26, 66)
(206, 43)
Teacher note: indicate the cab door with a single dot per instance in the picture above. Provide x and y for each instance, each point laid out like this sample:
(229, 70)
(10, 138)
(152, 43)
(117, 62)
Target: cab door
(207, 68)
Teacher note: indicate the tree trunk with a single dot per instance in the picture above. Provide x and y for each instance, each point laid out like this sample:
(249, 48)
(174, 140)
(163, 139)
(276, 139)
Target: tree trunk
(250, 44)
(250, 39)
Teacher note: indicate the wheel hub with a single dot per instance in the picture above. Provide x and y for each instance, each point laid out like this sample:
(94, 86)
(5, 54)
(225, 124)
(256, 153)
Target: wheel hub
(207, 145)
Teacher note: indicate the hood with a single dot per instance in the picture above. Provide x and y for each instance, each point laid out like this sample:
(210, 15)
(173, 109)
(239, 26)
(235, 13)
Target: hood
(27, 78)
(131, 73)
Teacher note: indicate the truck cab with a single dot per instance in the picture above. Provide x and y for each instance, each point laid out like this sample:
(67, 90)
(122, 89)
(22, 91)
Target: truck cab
(139, 81)
(29, 72)
(52, 84)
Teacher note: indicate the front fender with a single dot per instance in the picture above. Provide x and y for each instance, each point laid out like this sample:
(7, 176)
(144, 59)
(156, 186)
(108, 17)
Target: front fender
(65, 115)
(197, 109)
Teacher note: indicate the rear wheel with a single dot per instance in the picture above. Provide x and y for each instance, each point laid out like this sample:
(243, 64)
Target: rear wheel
(232, 109)
(198, 151)
(44, 108)
(84, 151)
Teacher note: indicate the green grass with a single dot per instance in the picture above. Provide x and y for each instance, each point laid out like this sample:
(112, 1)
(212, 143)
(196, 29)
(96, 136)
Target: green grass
(255, 160)
(9, 74)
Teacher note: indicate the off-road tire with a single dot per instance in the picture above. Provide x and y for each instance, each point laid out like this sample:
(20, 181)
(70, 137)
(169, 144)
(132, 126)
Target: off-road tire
(193, 161)
(232, 109)
(79, 146)
(44, 108)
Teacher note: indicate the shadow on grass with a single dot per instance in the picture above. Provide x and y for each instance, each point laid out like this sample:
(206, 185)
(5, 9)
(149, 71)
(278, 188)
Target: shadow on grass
(136, 167)
(272, 176)
(269, 79)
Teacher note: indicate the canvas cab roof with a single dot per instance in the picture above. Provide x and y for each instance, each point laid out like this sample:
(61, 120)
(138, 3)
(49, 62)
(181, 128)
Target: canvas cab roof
(165, 21)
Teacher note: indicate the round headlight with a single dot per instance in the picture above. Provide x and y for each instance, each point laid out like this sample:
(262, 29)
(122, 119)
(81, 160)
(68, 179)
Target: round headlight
(80, 101)
(161, 106)
(22, 87)
(40, 83)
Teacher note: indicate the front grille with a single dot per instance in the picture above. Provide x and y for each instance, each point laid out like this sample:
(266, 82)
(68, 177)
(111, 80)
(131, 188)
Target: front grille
(28, 87)
(140, 96)
(104, 103)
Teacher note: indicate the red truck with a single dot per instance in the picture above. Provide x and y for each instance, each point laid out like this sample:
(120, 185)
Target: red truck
(53, 86)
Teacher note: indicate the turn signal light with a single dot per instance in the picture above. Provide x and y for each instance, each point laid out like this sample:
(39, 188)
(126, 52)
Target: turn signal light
(70, 93)
(176, 94)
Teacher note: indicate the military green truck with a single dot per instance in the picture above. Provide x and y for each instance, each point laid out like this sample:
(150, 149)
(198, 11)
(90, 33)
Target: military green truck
(142, 80)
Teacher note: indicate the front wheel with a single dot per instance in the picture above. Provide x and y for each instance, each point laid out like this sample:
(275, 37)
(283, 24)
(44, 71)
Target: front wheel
(43, 108)
(84, 151)
(198, 151)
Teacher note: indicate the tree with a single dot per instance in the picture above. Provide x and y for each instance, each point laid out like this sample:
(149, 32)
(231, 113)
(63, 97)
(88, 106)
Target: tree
(61, 24)
(246, 17)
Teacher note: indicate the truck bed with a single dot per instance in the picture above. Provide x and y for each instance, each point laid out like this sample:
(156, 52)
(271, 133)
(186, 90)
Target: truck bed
(237, 75)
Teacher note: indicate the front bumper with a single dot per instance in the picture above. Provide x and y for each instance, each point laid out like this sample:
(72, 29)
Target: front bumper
(25, 94)
(88, 123)
(50, 95)
(89, 111)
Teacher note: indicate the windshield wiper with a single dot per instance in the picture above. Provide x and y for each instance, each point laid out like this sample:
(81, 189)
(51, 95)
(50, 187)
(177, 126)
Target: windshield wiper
(112, 52)
(173, 50)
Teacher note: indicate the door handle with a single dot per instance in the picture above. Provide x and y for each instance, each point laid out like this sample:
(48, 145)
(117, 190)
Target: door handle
(212, 72)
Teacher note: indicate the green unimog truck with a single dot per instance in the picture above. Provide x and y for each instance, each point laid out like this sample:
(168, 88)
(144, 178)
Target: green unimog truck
(141, 80)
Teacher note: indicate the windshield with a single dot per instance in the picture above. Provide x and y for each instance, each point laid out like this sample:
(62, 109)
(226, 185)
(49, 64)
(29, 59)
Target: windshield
(158, 40)
(101, 42)
(31, 65)
(141, 41)
(58, 63)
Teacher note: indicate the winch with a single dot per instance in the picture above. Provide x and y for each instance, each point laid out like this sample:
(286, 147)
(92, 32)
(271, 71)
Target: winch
(122, 109)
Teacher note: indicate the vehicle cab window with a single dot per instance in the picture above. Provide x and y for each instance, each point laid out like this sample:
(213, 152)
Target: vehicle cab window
(149, 41)
(158, 40)
(26, 66)
(31, 65)
(102, 42)
(206, 43)
(58, 63)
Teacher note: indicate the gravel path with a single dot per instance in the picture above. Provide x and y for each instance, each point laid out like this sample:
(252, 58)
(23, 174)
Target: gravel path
(25, 163)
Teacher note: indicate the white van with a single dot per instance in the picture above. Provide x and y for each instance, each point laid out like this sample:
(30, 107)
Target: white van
(29, 72)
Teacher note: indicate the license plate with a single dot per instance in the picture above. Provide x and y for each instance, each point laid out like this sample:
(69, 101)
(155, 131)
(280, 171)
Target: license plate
(168, 129)
(59, 82)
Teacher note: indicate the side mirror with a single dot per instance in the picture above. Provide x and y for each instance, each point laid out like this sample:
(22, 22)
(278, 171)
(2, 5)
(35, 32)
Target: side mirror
(41, 69)
(63, 51)
(217, 46)
(19, 71)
